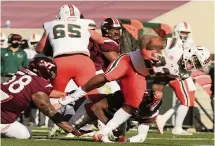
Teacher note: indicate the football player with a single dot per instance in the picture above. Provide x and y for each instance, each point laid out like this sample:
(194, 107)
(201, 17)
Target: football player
(33, 40)
(145, 114)
(199, 60)
(26, 87)
(131, 69)
(69, 37)
(105, 53)
(184, 87)
(3, 40)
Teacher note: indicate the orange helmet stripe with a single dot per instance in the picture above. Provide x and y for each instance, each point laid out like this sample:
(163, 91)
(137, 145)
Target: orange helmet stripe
(33, 36)
(185, 24)
(115, 21)
(72, 13)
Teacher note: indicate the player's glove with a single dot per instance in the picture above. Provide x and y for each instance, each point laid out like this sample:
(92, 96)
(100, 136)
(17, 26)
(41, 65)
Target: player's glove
(72, 97)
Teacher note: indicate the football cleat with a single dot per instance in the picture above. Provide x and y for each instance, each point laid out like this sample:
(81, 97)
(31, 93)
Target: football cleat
(101, 138)
(55, 131)
(160, 123)
(122, 139)
(180, 131)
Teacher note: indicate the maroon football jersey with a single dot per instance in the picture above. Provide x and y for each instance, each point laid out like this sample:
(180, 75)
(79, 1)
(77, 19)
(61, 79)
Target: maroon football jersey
(16, 94)
(96, 53)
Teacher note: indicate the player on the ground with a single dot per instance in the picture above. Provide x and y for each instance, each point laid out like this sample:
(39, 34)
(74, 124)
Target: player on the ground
(69, 38)
(131, 69)
(183, 86)
(26, 87)
(103, 54)
(145, 114)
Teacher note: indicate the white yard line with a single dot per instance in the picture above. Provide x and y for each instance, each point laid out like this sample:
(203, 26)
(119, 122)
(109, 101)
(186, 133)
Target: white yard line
(180, 138)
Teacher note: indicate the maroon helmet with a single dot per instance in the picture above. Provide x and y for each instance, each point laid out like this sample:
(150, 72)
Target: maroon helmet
(108, 26)
(44, 67)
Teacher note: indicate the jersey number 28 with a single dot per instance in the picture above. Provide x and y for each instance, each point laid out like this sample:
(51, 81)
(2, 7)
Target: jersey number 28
(71, 30)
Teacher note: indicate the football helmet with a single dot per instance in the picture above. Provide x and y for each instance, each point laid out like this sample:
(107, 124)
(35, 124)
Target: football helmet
(33, 40)
(43, 67)
(68, 11)
(199, 58)
(182, 31)
(3, 39)
(111, 28)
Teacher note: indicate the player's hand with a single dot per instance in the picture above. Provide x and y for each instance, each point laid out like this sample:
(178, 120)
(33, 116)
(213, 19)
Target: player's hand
(72, 97)
(67, 100)
(70, 92)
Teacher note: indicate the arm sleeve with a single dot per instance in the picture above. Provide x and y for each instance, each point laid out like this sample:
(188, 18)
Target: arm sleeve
(118, 68)
(91, 25)
(109, 46)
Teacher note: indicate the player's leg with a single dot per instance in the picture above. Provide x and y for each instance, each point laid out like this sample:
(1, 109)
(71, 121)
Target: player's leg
(185, 91)
(105, 108)
(15, 130)
(98, 110)
(81, 117)
(132, 96)
(65, 72)
(142, 134)
(162, 119)
(84, 70)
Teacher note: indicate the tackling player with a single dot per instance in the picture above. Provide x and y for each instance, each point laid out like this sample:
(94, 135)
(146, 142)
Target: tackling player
(26, 87)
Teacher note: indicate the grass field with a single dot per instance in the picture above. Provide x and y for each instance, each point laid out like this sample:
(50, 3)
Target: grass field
(154, 139)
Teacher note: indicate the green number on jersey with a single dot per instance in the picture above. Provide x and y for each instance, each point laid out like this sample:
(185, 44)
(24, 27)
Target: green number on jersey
(59, 31)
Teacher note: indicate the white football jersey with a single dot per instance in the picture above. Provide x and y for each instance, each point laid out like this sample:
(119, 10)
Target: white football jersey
(173, 54)
(69, 36)
(30, 53)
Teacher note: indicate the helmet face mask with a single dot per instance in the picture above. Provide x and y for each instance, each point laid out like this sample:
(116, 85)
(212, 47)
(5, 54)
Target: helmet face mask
(198, 60)
(182, 31)
(114, 33)
(184, 35)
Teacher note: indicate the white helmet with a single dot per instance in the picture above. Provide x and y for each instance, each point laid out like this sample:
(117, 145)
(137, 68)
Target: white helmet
(198, 58)
(68, 11)
(3, 40)
(204, 56)
(33, 40)
(182, 27)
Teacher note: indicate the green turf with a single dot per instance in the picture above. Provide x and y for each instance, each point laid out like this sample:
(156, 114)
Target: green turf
(154, 139)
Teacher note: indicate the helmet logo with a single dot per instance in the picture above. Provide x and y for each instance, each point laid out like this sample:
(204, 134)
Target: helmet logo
(47, 64)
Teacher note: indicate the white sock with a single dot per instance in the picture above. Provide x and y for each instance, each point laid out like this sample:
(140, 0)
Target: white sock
(170, 112)
(142, 134)
(119, 117)
(180, 115)
(80, 117)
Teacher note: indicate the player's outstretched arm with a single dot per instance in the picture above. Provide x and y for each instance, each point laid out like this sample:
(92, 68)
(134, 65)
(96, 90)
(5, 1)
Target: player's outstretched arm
(42, 43)
(57, 94)
(95, 82)
(96, 36)
(41, 100)
(111, 56)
